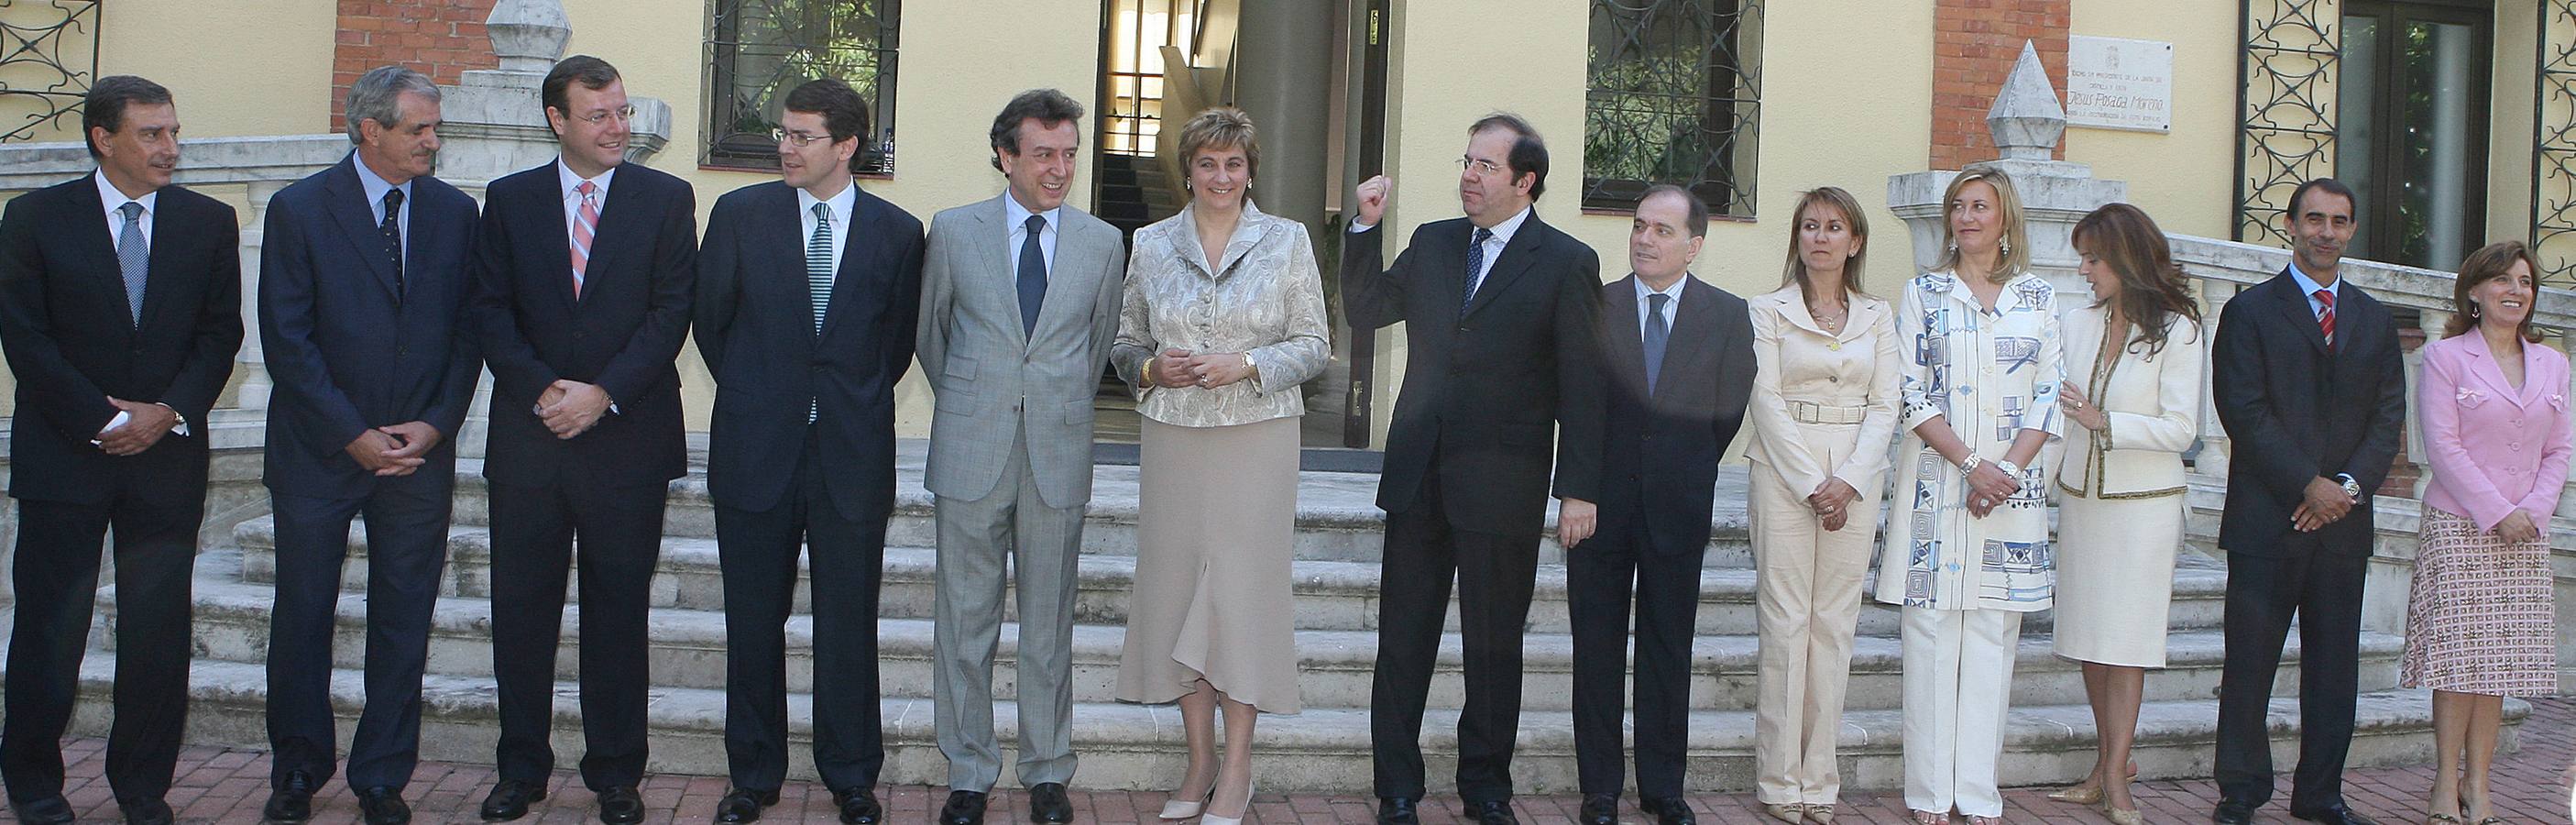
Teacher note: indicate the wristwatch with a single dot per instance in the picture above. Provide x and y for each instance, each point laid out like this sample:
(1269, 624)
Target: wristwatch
(2009, 468)
(2350, 487)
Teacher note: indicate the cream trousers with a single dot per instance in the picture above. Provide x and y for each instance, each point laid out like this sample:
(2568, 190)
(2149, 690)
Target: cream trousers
(1958, 685)
(1807, 601)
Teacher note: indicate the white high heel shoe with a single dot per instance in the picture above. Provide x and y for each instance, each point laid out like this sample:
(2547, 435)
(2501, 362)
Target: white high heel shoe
(1183, 809)
(1212, 819)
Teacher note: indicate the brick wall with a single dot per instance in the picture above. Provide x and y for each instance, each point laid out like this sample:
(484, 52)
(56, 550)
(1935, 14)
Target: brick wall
(439, 38)
(1974, 45)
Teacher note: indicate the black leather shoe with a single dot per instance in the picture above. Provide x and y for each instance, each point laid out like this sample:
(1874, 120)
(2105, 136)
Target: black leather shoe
(743, 805)
(509, 799)
(291, 800)
(858, 806)
(2335, 814)
(1670, 810)
(1397, 810)
(51, 810)
(1493, 812)
(621, 806)
(1600, 809)
(382, 805)
(145, 812)
(963, 808)
(1048, 805)
(2233, 812)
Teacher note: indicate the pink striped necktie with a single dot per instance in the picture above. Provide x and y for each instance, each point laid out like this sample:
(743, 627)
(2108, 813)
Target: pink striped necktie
(583, 228)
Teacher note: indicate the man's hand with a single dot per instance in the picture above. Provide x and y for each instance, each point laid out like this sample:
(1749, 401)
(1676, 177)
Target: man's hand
(553, 393)
(2517, 527)
(381, 453)
(1372, 198)
(2324, 505)
(576, 411)
(1575, 521)
(145, 424)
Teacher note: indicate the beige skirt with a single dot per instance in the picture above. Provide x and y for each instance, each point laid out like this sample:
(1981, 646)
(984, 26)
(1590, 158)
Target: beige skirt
(1215, 534)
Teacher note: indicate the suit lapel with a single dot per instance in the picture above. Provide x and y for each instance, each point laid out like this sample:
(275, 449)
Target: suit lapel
(97, 244)
(547, 200)
(1694, 332)
(1064, 291)
(2294, 308)
(161, 269)
(1627, 347)
(786, 234)
(357, 218)
(849, 274)
(1517, 257)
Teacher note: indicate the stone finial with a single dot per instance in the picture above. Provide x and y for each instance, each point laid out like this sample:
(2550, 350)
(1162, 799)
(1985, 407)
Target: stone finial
(2026, 120)
(528, 35)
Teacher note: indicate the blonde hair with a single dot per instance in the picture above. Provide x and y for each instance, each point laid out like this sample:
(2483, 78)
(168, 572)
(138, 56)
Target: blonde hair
(1223, 127)
(2015, 243)
(1832, 197)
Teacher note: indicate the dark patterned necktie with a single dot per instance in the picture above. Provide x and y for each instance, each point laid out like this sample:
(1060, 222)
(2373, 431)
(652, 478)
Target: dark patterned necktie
(392, 230)
(1475, 268)
(1657, 334)
(1032, 276)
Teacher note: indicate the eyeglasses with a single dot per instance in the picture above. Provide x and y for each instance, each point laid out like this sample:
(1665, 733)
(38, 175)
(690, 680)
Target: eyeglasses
(624, 113)
(798, 139)
(1481, 167)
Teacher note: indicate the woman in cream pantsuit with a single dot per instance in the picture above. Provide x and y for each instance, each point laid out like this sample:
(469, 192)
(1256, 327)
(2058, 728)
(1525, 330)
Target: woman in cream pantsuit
(1969, 553)
(2134, 359)
(1224, 318)
(1824, 409)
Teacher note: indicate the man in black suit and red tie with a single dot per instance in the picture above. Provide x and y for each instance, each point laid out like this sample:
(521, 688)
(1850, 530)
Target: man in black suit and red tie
(2308, 380)
(584, 272)
(808, 289)
(120, 309)
(1500, 309)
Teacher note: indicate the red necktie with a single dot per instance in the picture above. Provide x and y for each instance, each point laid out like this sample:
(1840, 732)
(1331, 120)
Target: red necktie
(2325, 317)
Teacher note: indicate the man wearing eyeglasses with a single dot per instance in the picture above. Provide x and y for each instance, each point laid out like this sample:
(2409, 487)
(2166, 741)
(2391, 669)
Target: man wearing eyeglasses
(1499, 310)
(583, 273)
(807, 292)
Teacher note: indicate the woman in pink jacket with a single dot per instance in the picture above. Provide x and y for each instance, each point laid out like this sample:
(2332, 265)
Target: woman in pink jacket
(2479, 623)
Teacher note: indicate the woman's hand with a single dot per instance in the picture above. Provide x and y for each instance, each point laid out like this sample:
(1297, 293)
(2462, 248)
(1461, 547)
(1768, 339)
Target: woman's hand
(2517, 527)
(1217, 369)
(2080, 409)
(1832, 501)
(1172, 369)
(1988, 487)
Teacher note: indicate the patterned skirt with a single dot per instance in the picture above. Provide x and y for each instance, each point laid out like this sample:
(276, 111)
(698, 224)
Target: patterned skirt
(2479, 618)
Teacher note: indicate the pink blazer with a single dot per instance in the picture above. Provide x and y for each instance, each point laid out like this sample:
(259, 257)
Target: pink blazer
(2495, 449)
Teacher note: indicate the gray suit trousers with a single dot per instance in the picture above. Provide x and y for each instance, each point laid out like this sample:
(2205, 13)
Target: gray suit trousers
(1043, 545)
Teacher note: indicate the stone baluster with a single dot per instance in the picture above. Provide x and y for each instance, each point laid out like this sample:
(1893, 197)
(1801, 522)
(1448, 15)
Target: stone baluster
(2212, 460)
(252, 363)
(2433, 321)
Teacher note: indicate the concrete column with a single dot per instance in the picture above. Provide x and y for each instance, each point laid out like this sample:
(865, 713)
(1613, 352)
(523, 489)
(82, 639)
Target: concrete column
(1283, 74)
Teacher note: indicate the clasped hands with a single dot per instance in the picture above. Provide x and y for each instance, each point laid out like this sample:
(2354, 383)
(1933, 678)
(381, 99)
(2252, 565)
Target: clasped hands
(1832, 501)
(145, 424)
(2325, 502)
(394, 450)
(570, 408)
(1208, 370)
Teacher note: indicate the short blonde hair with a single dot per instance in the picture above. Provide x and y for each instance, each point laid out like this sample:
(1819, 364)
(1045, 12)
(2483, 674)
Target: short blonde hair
(2015, 259)
(1223, 127)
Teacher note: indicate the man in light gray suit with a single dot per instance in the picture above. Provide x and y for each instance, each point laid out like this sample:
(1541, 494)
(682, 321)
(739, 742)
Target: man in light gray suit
(1019, 300)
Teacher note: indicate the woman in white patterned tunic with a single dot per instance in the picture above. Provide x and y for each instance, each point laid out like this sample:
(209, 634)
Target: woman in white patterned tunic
(1224, 320)
(1969, 553)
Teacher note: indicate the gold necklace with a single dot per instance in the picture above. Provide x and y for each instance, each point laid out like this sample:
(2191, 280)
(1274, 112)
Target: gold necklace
(1833, 324)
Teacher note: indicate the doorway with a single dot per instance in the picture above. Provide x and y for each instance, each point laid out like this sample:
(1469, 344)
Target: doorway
(2411, 130)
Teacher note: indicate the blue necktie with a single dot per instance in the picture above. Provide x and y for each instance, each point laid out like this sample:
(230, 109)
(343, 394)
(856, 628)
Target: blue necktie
(1657, 334)
(1475, 268)
(1033, 276)
(133, 257)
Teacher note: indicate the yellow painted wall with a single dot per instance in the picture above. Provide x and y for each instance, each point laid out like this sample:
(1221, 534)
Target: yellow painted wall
(2185, 178)
(233, 67)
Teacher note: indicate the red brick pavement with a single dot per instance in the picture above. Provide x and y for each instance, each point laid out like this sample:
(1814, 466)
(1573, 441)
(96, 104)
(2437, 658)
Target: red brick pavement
(227, 786)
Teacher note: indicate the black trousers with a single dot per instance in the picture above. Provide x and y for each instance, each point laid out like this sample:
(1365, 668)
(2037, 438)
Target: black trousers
(1495, 574)
(2263, 593)
(534, 531)
(406, 523)
(757, 551)
(57, 583)
(1600, 577)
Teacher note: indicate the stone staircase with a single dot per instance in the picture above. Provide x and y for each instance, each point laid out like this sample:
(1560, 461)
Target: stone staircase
(2049, 737)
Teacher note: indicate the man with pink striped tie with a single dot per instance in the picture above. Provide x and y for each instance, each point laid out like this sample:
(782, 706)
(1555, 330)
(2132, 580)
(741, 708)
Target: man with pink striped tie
(585, 272)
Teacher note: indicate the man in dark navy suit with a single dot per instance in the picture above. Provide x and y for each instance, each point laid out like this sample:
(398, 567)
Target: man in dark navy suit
(808, 290)
(362, 295)
(120, 308)
(583, 276)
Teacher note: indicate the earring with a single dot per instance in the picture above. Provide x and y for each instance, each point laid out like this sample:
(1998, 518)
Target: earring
(2003, 247)
(1954, 247)
(2473, 309)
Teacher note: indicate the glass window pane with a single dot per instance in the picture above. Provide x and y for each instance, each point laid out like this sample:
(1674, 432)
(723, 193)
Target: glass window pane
(2357, 89)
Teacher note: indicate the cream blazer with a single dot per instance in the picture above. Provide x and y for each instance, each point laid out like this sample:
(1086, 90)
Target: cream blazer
(1797, 361)
(2154, 406)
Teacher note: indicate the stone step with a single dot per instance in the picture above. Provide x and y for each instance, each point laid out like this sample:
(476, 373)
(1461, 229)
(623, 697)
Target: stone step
(1329, 595)
(1138, 747)
(1334, 666)
(1337, 514)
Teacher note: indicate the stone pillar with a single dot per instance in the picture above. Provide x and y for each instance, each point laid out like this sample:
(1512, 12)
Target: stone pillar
(2026, 123)
(495, 123)
(1284, 68)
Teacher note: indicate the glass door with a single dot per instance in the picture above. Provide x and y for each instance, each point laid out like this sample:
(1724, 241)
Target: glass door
(2411, 128)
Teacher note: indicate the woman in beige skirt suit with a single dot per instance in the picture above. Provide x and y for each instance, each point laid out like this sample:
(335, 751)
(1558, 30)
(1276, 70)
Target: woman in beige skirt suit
(1224, 319)
(1824, 410)
(2134, 391)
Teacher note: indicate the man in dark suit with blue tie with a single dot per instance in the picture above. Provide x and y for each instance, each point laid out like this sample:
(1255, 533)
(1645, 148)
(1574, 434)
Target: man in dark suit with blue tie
(1677, 370)
(583, 274)
(808, 290)
(120, 308)
(362, 295)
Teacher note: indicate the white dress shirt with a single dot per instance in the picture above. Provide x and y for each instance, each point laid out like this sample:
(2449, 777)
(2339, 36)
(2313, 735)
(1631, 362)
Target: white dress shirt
(1672, 308)
(376, 187)
(839, 205)
(115, 201)
(1017, 217)
(572, 201)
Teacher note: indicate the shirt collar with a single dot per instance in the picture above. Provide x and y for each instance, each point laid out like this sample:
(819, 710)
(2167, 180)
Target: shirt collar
(1018, 216)
(2308, 286)
(112, 198)
(842, 202)
(571, 180)
(1674, 292)
(375, 185)
(1503, 231)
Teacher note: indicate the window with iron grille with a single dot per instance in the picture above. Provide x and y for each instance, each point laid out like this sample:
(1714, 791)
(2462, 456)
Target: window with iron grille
(1674, 96)
(758, 50)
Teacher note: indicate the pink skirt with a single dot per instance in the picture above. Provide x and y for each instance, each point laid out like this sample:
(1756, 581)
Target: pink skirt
(2479, 617)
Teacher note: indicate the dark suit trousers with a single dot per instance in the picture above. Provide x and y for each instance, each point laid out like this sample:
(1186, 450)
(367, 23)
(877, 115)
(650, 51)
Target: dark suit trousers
(406, 522)
(533, 531)
(1600, 577)
(57, 582)
(1495, 574)
(757, 551)
(2263, 594)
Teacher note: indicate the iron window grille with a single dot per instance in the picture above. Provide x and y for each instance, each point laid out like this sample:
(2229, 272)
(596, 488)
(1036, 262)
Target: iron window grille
(1674, 96)
(48, 58)
(758, 50)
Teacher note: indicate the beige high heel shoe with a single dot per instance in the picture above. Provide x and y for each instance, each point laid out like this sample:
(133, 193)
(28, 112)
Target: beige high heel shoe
(2078, 794)
(1249, 788)
(1821, 813)
(1177, 808)
(1791, 812)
